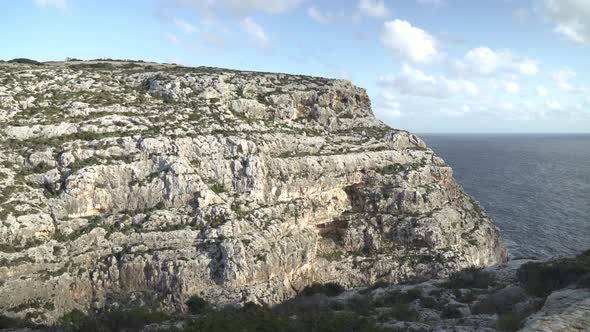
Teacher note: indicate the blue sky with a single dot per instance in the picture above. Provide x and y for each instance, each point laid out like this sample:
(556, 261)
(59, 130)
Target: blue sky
(428, 65)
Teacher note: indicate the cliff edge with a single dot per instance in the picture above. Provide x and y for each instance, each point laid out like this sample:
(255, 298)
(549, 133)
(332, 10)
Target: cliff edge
(158, 182)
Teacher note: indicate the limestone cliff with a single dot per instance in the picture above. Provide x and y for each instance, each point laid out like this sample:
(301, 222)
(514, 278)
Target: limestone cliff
(158, 182)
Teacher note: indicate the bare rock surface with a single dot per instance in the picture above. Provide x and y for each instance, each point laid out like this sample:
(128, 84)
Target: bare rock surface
(564, 310)
(158, 182)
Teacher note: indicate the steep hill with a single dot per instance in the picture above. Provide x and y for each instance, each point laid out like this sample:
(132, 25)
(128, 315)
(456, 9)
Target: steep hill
(157, 182)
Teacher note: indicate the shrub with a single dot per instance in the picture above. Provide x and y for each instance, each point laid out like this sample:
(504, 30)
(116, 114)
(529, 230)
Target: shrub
(329, 289)
(196, 304)
(584, 282)
(10, 322)
(391, 169)
(472, 277)
(248, 318)
(412, 294)
(465, 297)
(26, 61)
(431, 303)
(500, 302)
(72, 320)
(451, 311)
(360, 304)
(117, 320)
(304, 305)
(98, 65)
(436, 292)
(336, 322)
(218, 188)
(404, 312)
(380, 284)
(510, 322)
(540, 279)
(396, 297)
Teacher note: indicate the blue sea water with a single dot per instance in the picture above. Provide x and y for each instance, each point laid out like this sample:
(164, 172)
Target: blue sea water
(535, 187)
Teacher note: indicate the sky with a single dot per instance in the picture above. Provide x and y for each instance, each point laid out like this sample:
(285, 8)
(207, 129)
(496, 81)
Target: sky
(429, 66)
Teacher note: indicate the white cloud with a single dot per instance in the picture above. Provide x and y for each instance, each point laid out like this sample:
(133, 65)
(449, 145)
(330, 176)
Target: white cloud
(571, 18)
(373, 8)
(542, 91)
(408, 42)
(511, 87)
(184, 26)
(485, 61)
(255, 31)
(386, 103)
(172, 38)
(412, 81)
(271, 7)
(527, 66)
(59, 4)
(318, 16)
(563, 77)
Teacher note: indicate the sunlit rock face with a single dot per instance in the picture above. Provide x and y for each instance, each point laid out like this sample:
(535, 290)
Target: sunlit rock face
(157, 182)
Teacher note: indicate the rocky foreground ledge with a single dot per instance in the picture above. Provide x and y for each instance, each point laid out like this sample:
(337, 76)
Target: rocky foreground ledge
(153, 183)
(520, 295)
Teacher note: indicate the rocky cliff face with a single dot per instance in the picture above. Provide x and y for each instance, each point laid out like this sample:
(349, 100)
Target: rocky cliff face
(157, 182)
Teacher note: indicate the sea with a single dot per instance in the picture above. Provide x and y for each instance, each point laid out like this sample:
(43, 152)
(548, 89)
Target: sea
(535, 187)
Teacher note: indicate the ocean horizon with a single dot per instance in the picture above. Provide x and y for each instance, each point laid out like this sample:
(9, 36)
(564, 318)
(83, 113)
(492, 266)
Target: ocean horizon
(534, 186)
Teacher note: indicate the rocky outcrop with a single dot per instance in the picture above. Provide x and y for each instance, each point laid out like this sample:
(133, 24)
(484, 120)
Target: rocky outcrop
(157, 182)
(564, 310)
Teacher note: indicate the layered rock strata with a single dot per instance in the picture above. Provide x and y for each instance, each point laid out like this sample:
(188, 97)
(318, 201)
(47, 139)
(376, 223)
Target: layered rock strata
(158, 182)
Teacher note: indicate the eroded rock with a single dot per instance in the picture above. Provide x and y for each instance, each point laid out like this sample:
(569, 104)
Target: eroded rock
(238, 186)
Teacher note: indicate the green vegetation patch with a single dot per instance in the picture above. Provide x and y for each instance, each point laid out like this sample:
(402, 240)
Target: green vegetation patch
(472, 277)
(510, 322)
(132, 319)
(329, 289)
(95, 66)
(540, 279)
(26, 61)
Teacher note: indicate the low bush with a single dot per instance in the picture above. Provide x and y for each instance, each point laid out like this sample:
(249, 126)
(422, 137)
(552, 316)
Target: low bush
(97, 65)
(336, 322)
(392, 298)
(329, 289)
(252, 318)
(472, 277)
(464, 296)
(451, 311)
(540, 279)
(510, 322)
(380, 284)
(26, 61)
(11, 323)
(72, 320)
(360, 304)
(404, 312)
(431, 303)
(115, 320)
(500, 302)
(196, 304)
(304, 305)
(248, 318)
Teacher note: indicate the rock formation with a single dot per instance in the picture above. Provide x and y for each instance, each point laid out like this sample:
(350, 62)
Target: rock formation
(157, 182)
